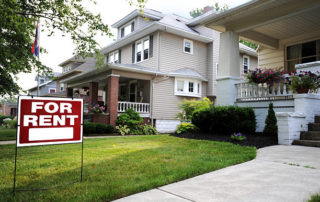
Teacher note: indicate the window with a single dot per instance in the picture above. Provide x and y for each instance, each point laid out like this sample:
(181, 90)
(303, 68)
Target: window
(245, 64)
(113, 57)
(41, 81)
(188, 46)
(126, 29)
(142, 50)
(66, 68)
(52, 90)
(302, 53)
(187, 87)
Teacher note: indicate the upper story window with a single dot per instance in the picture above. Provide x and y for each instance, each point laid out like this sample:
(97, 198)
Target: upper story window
(126, 29)
(113, 57)
(187, 87)
(142, 50)
(41, 80)
(302, 53)
(188, 46)
(66, 68)
(246, 62)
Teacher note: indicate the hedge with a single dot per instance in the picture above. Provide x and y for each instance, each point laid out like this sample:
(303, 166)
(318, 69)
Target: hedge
(225, 120)
(97, 128)
(4, 117)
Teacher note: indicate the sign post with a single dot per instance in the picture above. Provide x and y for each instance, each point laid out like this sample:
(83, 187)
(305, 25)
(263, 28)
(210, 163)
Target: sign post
(48, 121)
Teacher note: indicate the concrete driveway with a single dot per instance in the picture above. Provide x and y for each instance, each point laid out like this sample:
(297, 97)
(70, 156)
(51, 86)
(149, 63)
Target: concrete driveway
(279, 173)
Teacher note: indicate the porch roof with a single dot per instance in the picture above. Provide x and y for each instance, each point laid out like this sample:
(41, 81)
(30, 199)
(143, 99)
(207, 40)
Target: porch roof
(265, 21)
(187, 73)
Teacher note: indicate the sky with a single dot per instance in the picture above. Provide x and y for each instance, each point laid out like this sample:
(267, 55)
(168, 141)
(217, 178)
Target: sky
(61, 48)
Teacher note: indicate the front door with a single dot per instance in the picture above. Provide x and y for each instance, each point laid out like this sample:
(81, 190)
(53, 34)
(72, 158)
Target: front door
(133, 92)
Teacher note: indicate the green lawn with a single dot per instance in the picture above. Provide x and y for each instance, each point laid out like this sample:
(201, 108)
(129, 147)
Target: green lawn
(7, 134)
(113, 167)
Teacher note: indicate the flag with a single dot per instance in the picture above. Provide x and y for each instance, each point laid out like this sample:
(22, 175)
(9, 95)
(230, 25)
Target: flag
(36, 46)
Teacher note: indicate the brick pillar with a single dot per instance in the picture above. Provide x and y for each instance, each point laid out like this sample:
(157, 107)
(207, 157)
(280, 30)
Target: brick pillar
(112, 98)
(93, 93)
(69, 92)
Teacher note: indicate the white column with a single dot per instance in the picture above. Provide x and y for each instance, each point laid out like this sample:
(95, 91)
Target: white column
(229, 68)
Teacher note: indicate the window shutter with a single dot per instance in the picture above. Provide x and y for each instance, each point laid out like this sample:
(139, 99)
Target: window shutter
(107, 59)
(151, 46)
(119, 56)
(133, 53)
(122, 32)
(132, 26)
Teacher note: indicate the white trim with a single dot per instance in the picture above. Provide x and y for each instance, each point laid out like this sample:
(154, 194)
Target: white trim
(191, 46)
(124, 26)
(245, 56)
(142, 51)
(186, 82)
(55, 90)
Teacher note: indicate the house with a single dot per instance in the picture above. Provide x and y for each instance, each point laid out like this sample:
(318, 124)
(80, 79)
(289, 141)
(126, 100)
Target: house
(288, 34)
(8, 107)
(152, 66)
(47, 85)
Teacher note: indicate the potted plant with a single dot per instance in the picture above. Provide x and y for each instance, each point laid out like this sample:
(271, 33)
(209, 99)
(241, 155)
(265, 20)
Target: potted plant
(97, 109)
(303, 82)
(268, 76)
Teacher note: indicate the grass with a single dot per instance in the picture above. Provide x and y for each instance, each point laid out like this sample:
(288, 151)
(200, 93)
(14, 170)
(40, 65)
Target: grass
(113, 167)
(315, 198)
(7, 134)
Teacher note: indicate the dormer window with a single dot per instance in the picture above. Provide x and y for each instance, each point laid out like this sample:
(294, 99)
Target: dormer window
(41, 81)
(66, 68)
(113, 57)
(126, 29)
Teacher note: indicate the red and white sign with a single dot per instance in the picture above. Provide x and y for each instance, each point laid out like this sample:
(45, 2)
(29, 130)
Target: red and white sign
(47, 120)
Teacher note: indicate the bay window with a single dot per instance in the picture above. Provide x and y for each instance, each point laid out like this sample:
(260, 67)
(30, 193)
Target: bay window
(187, 87)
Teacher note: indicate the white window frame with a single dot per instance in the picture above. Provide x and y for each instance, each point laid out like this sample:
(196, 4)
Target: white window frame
(197, 87)
(66, 68)
(191, 46)
(55, 90)
(129, 24)
(113, 56)
(142, 52)
(248, 58)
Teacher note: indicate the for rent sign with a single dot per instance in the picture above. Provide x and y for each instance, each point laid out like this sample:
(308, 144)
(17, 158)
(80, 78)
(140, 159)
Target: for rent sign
(46, 120)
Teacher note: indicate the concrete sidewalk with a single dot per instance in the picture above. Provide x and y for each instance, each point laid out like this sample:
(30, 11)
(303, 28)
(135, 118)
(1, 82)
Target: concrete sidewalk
(279, 173)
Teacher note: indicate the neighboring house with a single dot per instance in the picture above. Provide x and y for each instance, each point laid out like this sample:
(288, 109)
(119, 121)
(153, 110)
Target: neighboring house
(153, 65)
(288, 34)
(8, 108)
(47, 85)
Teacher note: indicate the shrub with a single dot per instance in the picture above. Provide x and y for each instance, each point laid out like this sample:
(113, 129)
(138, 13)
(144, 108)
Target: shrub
(238, 137)
(186, 128)
(89, 127)
(271, 127)
(188, 107)
(130, 118)
(2, 117)
(148, 130)
(123, 130)
(225, 120)
(10, 123)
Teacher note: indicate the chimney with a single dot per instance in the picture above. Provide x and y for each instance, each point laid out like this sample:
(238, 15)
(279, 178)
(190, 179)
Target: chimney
(207, 9)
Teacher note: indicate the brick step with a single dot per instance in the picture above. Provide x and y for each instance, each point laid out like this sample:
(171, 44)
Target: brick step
(317, 119)
(309, 143)
(314, 127)
(311, 135)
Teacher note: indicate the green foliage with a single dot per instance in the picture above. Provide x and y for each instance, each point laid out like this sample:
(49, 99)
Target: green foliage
(315, 198)
(97, 128)
(188, 107)
(249, 44)
(238, 137)
(304, 80)
(148, 130)
(2, 117)
(89, 127)
(18, 21)
(123, 129)
(271, 127)
(10, 123)
(186, 128)
(216, 7)
(130, 118)
(225, 120)
(196, 12)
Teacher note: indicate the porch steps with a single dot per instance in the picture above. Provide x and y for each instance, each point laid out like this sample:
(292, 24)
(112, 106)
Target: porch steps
(310, 138)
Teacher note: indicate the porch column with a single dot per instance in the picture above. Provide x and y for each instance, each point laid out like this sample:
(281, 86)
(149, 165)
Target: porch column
(69, 92)
(93, 93)
(112, 97)
(229, 68)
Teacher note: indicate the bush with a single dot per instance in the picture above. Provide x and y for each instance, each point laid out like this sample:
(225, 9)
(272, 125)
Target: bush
(271, 127)
(89, 127)
(238, 137)
(2, 117)
(130, 118)
(97, 128)
(188, 107)
(10, 123)
(186, 128)
(123, 130)
(225, 120)
(148, 130)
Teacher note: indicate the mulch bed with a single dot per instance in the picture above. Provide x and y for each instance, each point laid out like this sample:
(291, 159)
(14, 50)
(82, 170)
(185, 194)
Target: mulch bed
(257, 140)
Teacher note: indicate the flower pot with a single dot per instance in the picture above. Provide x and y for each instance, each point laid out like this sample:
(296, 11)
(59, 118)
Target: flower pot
(302, 90)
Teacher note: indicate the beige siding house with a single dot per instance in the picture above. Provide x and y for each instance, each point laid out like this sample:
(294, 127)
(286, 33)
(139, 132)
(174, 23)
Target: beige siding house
(154, 65)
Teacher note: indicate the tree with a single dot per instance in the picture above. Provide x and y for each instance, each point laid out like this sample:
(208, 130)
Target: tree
(17, 24)
(271, 127)
(199, 11)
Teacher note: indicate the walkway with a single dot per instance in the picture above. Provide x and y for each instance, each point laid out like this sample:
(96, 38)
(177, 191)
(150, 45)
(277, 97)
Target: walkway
(279, 173)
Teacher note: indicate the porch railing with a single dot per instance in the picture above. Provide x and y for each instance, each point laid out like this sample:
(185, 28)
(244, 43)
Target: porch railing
(141, 108)
(248, 91)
